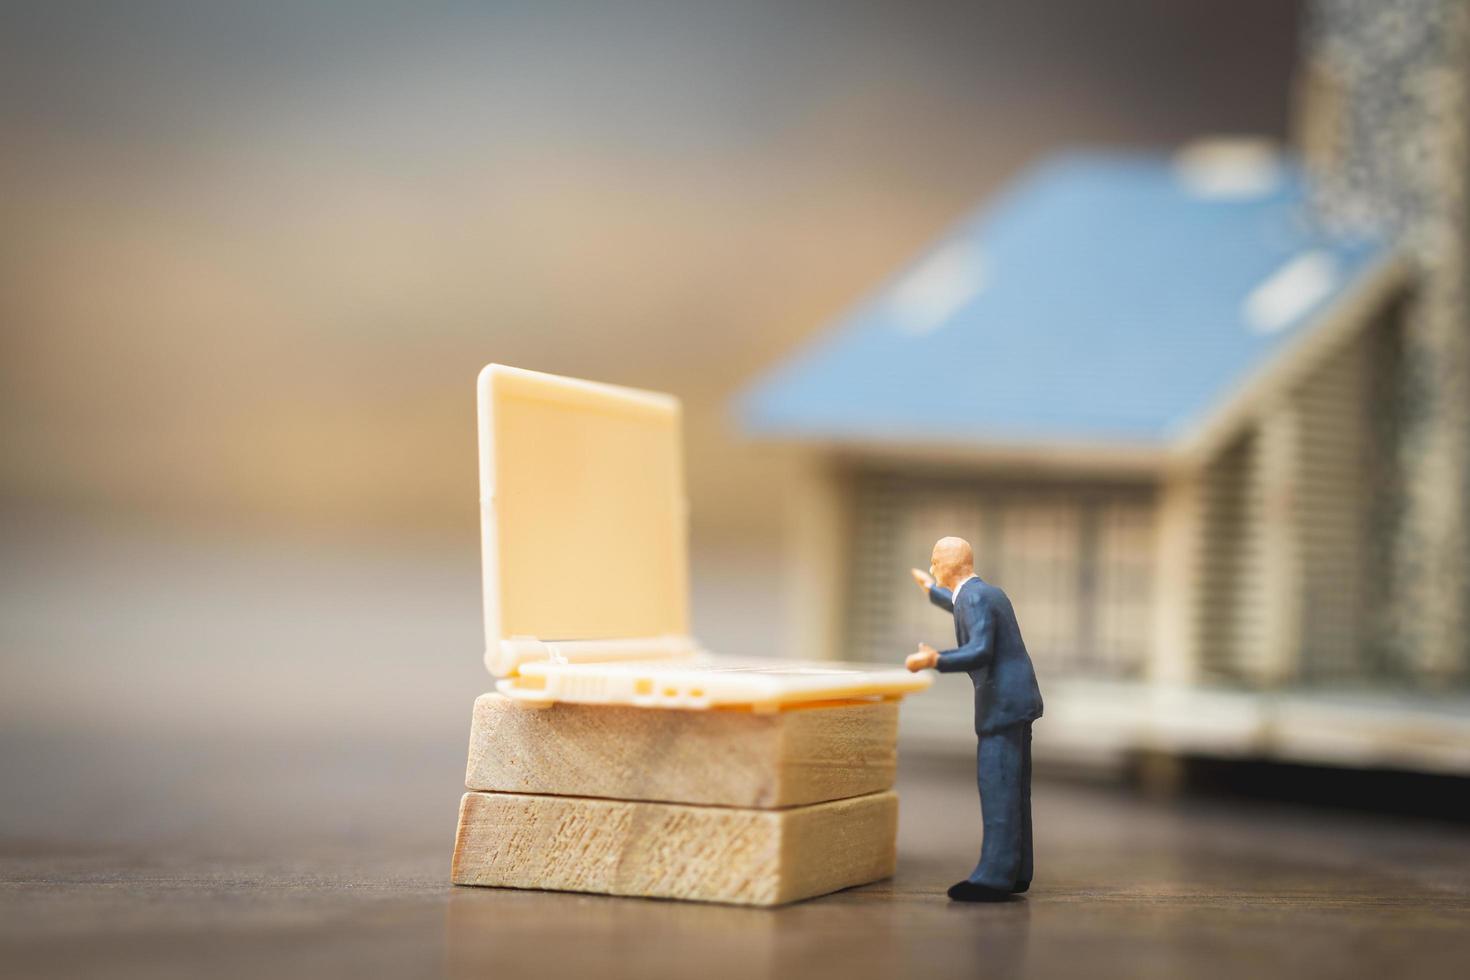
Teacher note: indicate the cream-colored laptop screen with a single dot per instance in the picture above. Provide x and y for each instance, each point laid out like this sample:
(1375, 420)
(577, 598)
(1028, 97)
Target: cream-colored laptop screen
(582, 509)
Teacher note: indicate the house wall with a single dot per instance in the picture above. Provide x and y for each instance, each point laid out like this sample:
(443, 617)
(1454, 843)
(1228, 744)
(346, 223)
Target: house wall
(1227, 626)
(1076, 557)
(1178, 552)
(1331, 501)
(1290, 527)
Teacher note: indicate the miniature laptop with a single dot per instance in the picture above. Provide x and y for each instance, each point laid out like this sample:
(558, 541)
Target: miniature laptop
(585, 551)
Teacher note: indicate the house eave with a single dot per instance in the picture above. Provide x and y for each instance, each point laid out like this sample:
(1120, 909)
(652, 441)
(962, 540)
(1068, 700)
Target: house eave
(1043, 457)
(1247, 402)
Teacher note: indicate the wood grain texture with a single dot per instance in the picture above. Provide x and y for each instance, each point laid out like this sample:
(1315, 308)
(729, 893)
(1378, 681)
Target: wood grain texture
(719, 758)
(667, 850)
(338, 871)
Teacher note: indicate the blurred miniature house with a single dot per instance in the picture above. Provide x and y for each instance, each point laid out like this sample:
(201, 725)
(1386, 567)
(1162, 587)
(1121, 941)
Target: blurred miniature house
(1173, 401)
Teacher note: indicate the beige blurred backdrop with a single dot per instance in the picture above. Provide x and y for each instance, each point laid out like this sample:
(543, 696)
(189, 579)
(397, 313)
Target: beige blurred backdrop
(256, 253)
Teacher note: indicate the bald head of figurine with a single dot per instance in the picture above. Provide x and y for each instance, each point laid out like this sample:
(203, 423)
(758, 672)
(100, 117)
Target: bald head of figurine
(952, 562)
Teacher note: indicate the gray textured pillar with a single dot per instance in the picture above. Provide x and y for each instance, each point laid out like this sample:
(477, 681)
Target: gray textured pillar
(1385, 126)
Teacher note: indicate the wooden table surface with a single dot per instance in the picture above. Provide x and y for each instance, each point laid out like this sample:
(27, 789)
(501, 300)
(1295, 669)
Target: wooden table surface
(227, 762)
(322, 859)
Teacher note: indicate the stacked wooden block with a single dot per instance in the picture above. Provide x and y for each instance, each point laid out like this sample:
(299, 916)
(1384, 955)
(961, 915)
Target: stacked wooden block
(717, 805)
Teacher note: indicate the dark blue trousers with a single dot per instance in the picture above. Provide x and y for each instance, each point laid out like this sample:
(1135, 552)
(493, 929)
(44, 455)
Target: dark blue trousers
(1003, 770)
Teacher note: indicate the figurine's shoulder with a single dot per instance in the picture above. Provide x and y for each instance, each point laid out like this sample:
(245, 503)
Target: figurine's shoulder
(991, 594)
(976, 592)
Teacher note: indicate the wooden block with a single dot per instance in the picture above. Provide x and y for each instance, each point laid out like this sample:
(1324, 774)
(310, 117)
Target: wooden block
(669, 850)
(724, 758)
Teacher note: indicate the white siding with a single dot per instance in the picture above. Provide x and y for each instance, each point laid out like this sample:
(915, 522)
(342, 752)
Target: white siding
(1285, 528)
(1228, 558)
(1332, 500)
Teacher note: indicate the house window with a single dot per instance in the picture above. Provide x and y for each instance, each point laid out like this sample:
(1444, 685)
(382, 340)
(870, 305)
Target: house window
(1124, 565)
(1074, 558)
(1038, 561)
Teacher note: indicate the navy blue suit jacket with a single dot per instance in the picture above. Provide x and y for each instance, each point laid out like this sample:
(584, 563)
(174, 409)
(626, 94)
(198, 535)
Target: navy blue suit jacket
(991, 652)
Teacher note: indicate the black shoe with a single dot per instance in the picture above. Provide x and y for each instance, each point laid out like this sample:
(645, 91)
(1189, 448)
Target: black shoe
(968, 891)
(1020, 887)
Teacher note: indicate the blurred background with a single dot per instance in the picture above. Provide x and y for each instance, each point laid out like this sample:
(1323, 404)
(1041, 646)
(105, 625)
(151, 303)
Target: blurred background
(256, 253)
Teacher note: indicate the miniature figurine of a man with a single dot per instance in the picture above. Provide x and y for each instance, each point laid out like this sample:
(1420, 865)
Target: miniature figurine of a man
(1007, 701)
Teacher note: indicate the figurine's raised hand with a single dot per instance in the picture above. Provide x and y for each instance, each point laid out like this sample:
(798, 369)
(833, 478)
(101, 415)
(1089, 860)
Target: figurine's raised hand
(925, 580)
(926, 657)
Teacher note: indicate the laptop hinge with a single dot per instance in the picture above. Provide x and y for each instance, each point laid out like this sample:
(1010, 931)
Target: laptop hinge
(505, 658)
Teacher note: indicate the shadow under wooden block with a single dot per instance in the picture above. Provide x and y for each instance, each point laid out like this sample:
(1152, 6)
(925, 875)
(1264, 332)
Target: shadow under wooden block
(717, 757)
(668, 850)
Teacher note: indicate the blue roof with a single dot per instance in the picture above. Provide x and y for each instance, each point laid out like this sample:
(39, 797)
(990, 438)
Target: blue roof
(1102, 299)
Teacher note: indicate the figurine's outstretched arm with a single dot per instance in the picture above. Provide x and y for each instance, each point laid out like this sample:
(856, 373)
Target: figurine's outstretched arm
(937, 594)
(979, 650)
